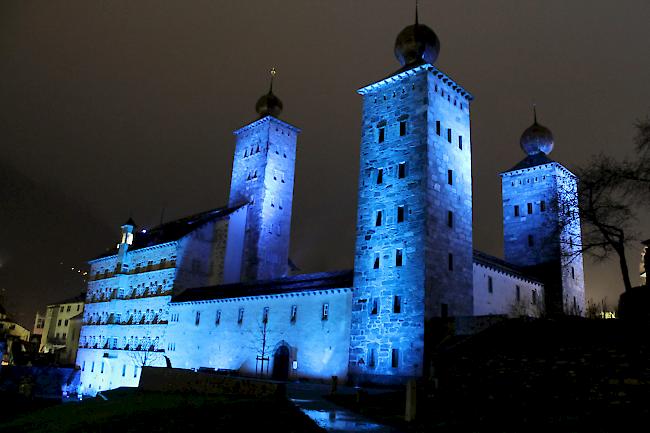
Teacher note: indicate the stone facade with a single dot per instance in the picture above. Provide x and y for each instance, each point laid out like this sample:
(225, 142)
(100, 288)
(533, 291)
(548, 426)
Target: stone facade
(413, 258)
(262, 178)
(541, 228)
(61, 329)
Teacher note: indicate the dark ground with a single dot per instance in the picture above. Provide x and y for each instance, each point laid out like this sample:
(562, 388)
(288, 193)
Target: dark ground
(130, 410)
(521, 376)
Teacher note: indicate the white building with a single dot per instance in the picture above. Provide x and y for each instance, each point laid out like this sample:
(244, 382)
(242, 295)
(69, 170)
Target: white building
(61, 329)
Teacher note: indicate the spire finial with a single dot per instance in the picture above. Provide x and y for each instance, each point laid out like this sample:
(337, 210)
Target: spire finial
(416, 12)
(273, 72)
(535, 113)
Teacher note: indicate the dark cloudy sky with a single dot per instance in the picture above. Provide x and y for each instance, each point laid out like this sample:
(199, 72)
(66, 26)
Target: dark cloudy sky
(116, 107)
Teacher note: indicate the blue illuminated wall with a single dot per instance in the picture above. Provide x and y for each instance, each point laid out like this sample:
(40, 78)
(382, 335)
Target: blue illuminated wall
(413, 257)
(263, 176)
(538, 234)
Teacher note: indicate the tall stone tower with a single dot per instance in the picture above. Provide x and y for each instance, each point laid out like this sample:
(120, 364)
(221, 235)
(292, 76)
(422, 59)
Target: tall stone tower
(541, 222)
(413, 257)
(262, 179)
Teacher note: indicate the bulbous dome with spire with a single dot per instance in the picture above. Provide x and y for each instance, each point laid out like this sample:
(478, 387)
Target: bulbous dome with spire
(537, 139)
(417, 43)
(269, 104)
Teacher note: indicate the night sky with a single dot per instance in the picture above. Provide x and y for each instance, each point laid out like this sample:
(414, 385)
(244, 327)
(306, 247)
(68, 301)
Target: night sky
(118, 108)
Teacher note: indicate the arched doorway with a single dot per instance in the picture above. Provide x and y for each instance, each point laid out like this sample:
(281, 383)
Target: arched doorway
(281, 363)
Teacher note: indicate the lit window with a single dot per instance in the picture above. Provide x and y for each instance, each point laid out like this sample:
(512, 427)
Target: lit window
(326, 311)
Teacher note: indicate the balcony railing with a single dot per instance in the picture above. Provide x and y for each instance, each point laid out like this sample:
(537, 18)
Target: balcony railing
(138, 348)
(121, 270)
(115, 295)
(130, 321)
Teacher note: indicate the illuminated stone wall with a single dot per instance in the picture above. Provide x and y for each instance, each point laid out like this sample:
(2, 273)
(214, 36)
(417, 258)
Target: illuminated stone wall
(506, 293)
(216, 338)
(263, 176)
(412, 263)
(545, 235)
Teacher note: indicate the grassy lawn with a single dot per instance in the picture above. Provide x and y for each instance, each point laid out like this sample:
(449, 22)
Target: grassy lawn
(133, 411)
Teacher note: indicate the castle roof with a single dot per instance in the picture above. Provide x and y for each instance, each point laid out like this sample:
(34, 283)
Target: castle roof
(173, 230)
(531, 161)
(293, 284)
(501, 265)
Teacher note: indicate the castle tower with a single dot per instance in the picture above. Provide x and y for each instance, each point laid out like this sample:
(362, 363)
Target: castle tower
(541, 223)
(413, 257)
(262, 178)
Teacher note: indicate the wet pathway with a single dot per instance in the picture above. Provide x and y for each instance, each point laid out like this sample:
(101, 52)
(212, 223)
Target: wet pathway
(310, 400)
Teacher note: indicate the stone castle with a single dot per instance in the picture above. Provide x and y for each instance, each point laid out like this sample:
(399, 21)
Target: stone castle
(217, 290)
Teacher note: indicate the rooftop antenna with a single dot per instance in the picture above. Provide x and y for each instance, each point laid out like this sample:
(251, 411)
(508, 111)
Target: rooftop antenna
(416, 12)
(273, 72)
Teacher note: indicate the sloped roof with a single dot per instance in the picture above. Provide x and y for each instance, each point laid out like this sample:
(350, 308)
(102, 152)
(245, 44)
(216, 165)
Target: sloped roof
(293, 284)
(501, 265)
(531, 161)
(74, 300)
(173, 230)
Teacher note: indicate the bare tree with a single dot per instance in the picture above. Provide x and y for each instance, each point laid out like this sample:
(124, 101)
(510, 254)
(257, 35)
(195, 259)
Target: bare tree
(147, 353)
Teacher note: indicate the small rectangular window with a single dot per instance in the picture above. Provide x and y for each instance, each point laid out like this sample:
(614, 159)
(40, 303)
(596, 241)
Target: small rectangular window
(375, 307)
(518, 293)
(516, 210)
(438, 127)
(123, 370)
(380, 176)
(450, 177)
(217, 318)
(531, 241)
(450, 219)
(398, 257)
(460, 142)
(326, 311)
(400, 214)
(397, 304)
(102, 369)
(378, 218)
(382, 135)
(490, 285)
(265, 315)
(401, 170)
(68, 309)
(573, 273)
(240, 316)
(375, 264)
(197, 318)
(395, 358)
(449, 135)
(530, 208)
(65, 323)
(542, 206)
(402, 128)
(92, 367)
(451, 262)
(294, 313)
(83, 366)
(135, 371)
